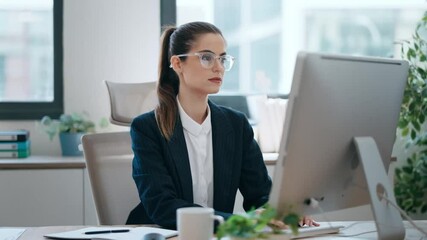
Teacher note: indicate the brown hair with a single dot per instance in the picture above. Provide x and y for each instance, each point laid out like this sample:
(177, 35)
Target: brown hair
(174, 41)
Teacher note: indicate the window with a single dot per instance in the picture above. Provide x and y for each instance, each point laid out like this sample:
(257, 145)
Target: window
(265, 36)
(30, 59)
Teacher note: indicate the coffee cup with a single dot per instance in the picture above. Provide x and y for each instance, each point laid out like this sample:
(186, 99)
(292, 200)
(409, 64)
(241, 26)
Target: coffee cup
(196, 223)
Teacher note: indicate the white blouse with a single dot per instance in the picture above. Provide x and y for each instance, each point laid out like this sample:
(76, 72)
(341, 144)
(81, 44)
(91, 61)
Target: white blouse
(198, 138)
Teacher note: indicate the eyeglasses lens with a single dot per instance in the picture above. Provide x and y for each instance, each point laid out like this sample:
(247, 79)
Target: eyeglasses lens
(208, 60)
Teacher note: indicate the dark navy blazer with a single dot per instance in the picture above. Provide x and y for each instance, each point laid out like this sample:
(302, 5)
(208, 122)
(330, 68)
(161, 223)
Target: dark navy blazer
(162, 174)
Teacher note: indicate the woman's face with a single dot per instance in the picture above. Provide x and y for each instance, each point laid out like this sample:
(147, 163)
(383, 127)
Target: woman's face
(196, 78)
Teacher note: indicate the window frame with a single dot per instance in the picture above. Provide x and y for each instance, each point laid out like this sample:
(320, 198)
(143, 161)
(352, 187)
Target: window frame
(36, 110)
(167, 13)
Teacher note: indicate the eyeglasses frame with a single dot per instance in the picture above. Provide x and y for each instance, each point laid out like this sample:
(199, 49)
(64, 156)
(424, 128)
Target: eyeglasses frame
(199, 54)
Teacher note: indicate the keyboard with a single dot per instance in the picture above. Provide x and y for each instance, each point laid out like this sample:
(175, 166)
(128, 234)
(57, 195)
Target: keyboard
(313, 231)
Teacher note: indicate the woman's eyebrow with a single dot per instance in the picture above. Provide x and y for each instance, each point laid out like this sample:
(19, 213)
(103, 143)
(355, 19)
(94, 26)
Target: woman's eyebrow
(207, 50)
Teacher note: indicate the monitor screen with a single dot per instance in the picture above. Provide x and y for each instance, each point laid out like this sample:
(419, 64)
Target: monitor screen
(333, 99)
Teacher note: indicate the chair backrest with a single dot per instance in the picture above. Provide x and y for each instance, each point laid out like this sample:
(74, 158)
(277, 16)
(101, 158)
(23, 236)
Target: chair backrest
(128, 100)
(109, 164)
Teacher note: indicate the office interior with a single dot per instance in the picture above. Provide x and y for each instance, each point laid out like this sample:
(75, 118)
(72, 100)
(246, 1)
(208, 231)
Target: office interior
(118, 41)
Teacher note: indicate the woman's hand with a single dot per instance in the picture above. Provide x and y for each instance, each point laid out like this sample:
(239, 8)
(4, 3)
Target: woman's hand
(307, 221)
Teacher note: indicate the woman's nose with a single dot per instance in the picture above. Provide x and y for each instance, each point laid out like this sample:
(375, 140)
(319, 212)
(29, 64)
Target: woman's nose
(218, 65)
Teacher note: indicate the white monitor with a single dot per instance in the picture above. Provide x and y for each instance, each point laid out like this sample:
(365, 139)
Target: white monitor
(335, 99)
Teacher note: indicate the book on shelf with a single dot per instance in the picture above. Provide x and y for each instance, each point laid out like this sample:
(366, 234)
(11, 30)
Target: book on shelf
(15, 153)
(14, 136)
(15, 145)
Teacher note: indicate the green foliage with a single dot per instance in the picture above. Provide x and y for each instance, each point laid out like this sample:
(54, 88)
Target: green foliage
(411, 178)
(253, 225)
(411, 184)
(69, 123)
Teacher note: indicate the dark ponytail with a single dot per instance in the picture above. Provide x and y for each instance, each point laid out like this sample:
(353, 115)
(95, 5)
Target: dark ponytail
(167, 88)
(174, 41)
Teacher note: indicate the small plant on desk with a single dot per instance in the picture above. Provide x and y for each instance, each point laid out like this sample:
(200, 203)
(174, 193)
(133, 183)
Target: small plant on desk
(253, 224)
(70, 128)
(67, 123)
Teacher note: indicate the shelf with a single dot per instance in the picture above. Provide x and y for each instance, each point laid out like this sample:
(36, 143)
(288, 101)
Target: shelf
(43, 162)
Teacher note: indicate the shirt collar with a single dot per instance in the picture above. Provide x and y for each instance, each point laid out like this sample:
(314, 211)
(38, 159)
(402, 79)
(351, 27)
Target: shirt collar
(192, 126)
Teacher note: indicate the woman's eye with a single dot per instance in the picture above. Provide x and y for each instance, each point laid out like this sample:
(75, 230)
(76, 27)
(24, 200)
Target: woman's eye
(207, 57)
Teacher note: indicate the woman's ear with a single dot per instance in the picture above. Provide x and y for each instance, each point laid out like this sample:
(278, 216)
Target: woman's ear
(176, 64)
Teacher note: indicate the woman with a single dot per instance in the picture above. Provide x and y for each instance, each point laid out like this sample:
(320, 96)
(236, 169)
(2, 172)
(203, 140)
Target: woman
(189, 151)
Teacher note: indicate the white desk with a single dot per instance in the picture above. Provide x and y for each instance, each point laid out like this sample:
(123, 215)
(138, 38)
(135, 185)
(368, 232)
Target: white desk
(364, 229)
(367, 230)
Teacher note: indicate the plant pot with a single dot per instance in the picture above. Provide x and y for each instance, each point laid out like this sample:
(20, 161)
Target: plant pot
(70, 144)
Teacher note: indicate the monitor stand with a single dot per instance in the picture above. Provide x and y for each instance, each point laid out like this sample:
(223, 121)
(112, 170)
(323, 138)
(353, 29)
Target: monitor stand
(387, 219)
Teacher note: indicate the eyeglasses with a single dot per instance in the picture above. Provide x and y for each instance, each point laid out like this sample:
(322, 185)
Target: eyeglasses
(207, 59)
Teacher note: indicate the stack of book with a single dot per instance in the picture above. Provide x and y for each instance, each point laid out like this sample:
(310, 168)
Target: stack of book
(15, 144)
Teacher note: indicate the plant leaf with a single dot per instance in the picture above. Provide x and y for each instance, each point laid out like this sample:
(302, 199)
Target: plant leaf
(405, 132)
(413, 134)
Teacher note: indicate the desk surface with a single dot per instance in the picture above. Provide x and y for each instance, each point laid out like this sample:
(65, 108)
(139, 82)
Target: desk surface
(363, 230)
(37, 233)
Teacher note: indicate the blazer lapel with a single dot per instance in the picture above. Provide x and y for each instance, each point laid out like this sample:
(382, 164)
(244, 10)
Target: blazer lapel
(223, 146)
(179, 153)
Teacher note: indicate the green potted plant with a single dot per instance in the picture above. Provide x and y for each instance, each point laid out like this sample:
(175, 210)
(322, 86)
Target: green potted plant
(70, 128)
(257, 224)
(411, 178)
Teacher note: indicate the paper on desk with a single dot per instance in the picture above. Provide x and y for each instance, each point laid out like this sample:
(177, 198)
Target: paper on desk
(10, 233)
(136, 233)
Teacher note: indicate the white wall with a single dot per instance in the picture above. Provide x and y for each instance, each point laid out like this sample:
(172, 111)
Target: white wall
(103, 40)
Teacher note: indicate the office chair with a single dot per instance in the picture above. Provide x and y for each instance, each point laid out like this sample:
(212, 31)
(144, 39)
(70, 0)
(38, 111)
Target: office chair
(128, 100)
(109, 155)
(109, 164)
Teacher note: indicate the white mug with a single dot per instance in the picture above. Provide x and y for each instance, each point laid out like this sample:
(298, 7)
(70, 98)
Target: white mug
(196, 223)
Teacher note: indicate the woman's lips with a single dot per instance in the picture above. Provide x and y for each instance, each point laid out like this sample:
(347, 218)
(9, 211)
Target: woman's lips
(215, 79)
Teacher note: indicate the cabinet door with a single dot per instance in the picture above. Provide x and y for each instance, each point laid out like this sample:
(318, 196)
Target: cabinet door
(41, 197)
(91, 217)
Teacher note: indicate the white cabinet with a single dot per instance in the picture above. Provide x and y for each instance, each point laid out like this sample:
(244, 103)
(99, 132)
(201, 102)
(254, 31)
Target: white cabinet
(45, 191)
(41, 197)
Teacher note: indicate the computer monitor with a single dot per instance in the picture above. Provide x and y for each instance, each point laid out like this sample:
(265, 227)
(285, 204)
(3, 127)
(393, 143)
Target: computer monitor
(333, 100)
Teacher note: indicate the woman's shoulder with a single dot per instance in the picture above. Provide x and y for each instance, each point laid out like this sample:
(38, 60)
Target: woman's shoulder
(147, 118)
(227, 114)
(227, 111)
